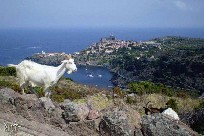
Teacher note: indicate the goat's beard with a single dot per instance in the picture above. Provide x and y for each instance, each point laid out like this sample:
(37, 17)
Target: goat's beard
(69, 72)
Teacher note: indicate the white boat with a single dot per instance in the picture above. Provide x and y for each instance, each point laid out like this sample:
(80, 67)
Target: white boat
(99, 75)
(90, 75)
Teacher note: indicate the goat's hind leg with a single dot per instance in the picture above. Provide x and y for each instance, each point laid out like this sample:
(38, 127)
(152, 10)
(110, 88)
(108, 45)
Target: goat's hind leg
(32, 90)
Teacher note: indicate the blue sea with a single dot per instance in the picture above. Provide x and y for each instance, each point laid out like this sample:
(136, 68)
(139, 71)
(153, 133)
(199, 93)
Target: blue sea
(17, 44)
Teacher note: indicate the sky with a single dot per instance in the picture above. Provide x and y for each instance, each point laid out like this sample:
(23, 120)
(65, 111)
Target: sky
(101, 13)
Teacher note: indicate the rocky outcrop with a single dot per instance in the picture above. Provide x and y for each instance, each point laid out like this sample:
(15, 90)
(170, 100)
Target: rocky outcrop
(160, 125)
(29, 107)
(74, 112)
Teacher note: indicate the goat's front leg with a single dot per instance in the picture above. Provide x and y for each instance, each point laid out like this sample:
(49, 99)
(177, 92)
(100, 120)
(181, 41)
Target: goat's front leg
(22, 86)
(47, 92)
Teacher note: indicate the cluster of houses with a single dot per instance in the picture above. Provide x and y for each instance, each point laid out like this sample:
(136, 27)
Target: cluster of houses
(110, 44)
(43, 54)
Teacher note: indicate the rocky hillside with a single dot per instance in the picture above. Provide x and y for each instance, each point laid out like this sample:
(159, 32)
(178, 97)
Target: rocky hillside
(28, 115)
(75, 109)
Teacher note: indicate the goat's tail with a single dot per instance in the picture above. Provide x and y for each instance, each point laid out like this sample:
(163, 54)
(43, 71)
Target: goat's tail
(12, 65)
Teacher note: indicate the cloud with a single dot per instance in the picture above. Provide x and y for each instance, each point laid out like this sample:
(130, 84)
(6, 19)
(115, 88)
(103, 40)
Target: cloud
(181, 5)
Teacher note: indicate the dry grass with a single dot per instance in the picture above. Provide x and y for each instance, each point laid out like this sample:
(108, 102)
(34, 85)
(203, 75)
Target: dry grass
(159, 100)
(99, 101)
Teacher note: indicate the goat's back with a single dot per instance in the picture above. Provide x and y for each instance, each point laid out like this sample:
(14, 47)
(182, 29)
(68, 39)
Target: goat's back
(35, 73)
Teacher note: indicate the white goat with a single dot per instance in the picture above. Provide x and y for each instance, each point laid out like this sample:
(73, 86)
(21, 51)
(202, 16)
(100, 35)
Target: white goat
(34, 74)
(170, 112)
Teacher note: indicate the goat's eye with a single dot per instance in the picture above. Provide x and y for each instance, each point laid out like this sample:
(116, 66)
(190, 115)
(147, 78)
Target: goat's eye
(69, 62)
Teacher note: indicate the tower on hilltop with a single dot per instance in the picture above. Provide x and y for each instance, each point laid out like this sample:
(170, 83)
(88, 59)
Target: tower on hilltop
(110, 38)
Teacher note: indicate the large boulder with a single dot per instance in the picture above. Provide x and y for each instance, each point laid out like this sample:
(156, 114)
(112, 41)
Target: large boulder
(160, 125)
(74, 112)
(120, 122)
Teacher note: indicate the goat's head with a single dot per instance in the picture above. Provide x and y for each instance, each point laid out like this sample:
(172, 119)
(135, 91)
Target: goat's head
(70, 65)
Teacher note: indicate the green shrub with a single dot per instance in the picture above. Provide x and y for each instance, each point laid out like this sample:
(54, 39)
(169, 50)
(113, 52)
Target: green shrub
(13, 86)
(200, 106)
(172, 104)
(59, 94)
(69, 79)
(168, 91)
(130, 100)
(57, 98)
(182, 95)
(145, 87)
(118, 92)
(39, 91)
(109, 96)
(7, 71)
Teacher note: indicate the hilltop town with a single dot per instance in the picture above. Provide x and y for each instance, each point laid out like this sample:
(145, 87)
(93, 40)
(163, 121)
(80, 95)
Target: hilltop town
(99, 53)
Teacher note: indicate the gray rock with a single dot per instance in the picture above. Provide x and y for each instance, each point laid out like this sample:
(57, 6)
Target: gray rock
(70, 113)
(47, 103)
(160, 125)
(93, 114)
(8, 95)
(119, 122)
(74, 112)
(63, 104)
